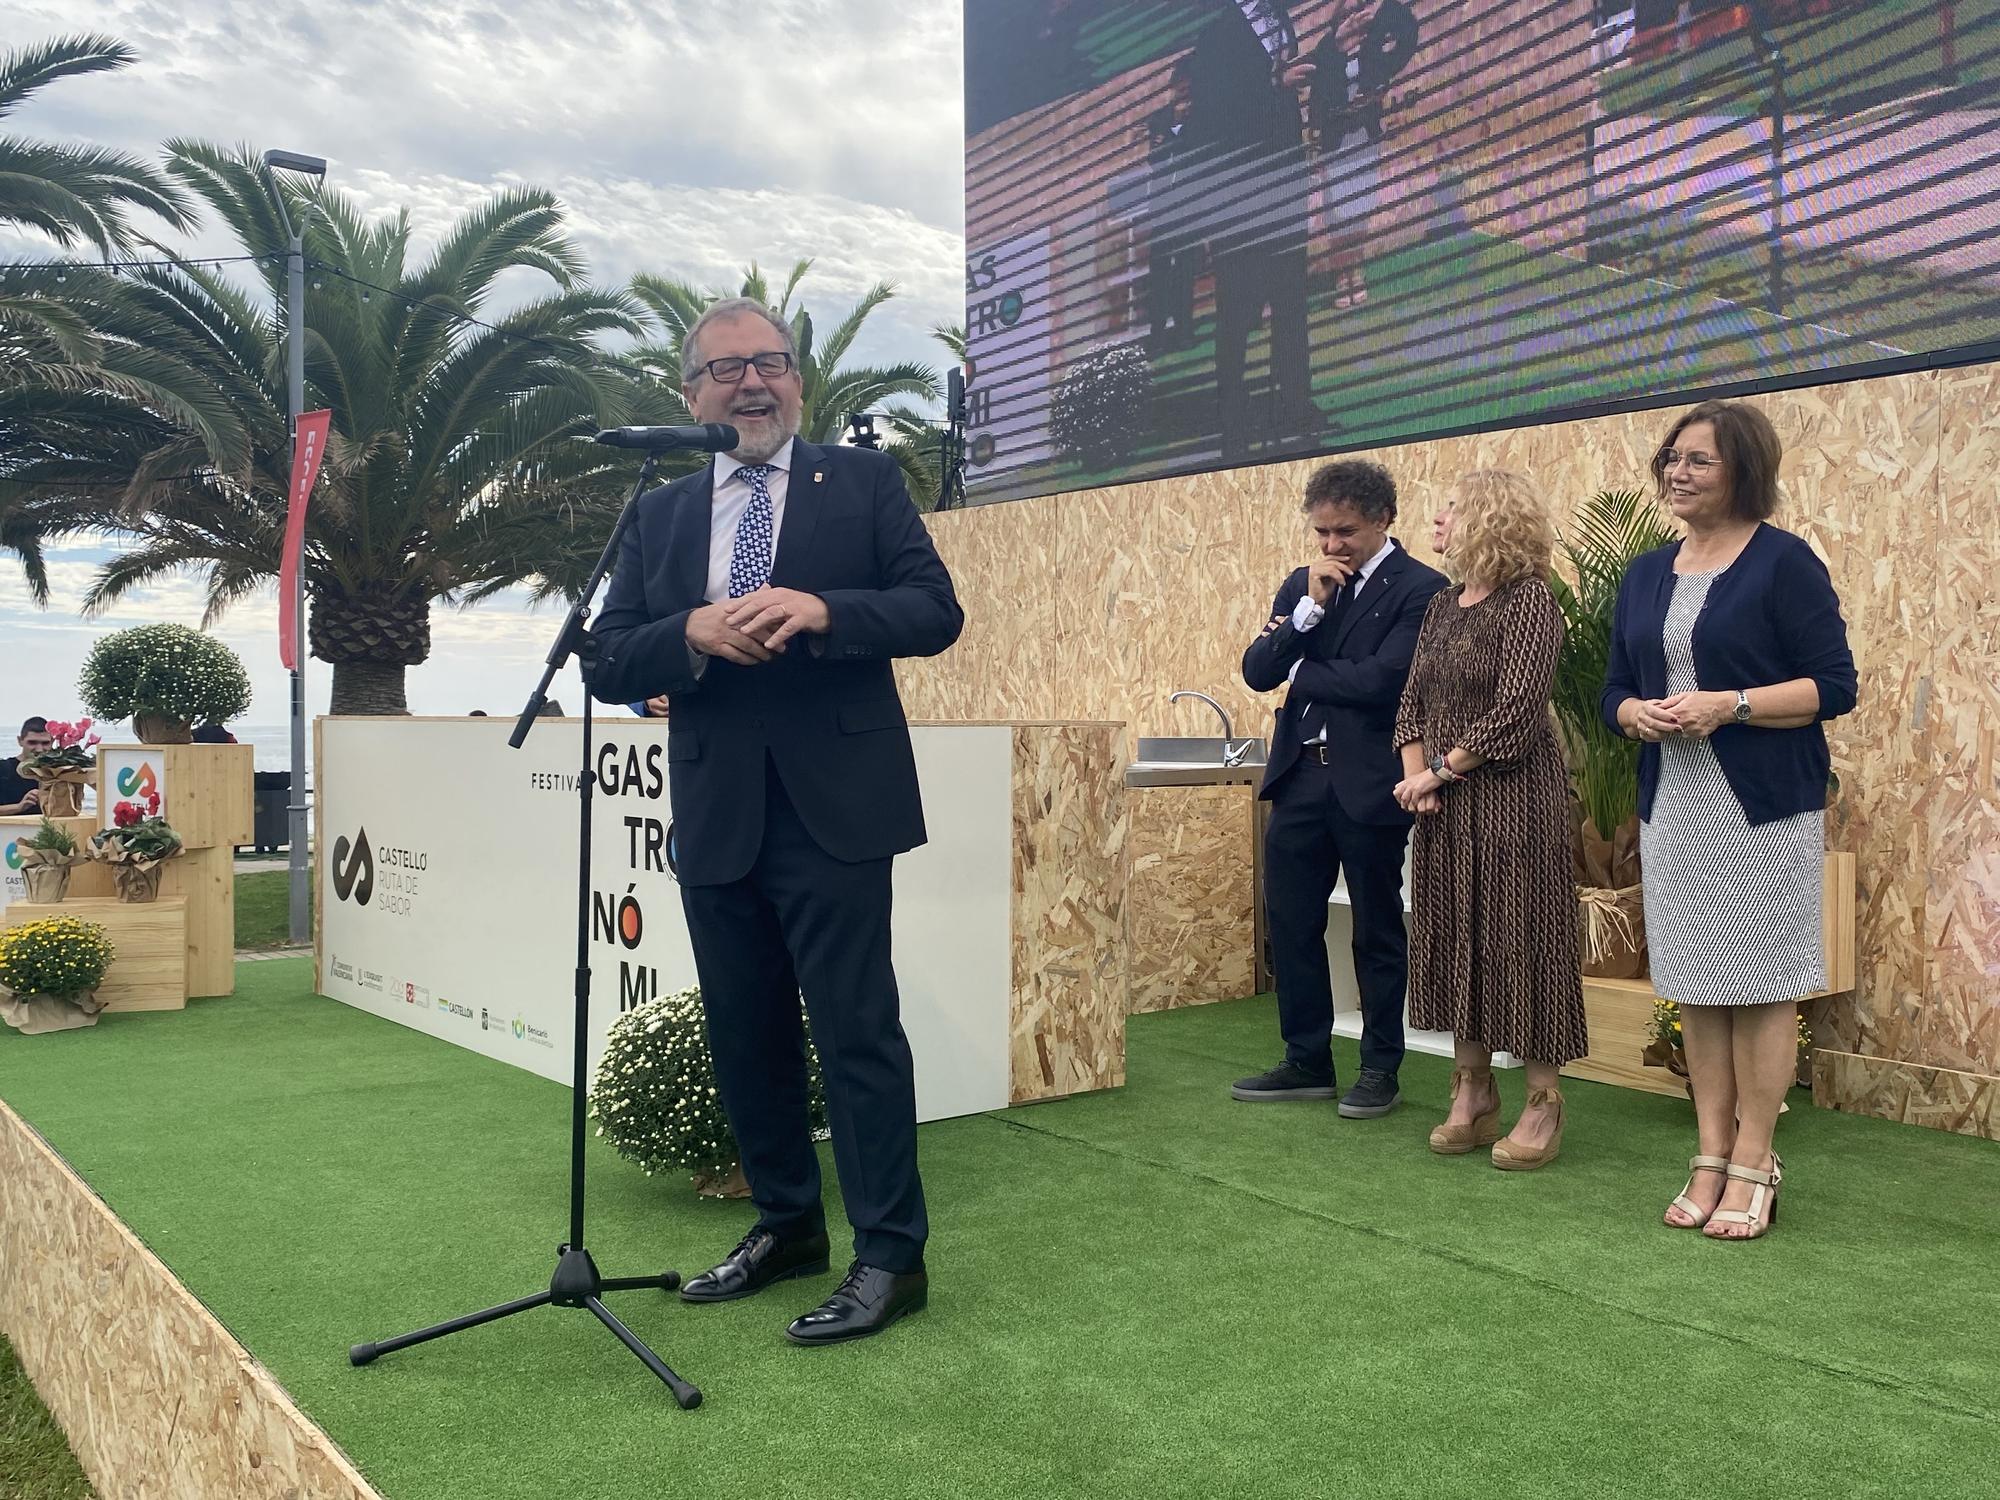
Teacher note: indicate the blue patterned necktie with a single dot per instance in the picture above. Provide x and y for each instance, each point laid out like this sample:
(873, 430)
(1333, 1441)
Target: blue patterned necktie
(750, 555)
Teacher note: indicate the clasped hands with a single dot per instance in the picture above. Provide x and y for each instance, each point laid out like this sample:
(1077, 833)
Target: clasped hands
(1694, 716)
(755, 628)
(1419, 793)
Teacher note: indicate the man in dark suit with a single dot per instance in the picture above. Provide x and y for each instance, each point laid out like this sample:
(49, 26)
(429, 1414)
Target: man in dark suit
(767, 597)
(1173, 255)
(1245, 156)
(1342, 633)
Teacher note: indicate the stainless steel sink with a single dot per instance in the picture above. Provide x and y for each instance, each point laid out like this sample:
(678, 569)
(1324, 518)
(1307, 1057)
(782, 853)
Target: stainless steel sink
(1200, 761)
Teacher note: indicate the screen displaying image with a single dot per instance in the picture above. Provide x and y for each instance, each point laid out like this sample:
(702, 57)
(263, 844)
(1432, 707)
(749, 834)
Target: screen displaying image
(1203, 233)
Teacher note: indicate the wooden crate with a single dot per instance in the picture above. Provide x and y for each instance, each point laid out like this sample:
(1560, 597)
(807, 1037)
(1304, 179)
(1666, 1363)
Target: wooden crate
(1620, 1011)
(90, 879)
(207, 790)
(206, 880)
(150, 971)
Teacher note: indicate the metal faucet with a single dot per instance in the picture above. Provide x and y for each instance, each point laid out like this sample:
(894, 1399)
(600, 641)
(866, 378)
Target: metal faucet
(1232, 755)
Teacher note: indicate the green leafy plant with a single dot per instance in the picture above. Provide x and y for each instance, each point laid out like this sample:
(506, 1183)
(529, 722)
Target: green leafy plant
(51, 838)
(61, 956)
(1611, 528)
(71, 751)
(137, 832)
(1100, 405)
(655, 1098)
(167, 670)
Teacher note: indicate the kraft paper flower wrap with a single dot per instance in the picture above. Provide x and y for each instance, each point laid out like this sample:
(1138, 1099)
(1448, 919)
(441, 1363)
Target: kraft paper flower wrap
(135, 846)
(60, 774)
(52, 969)
(655, 1098)
(47, 857)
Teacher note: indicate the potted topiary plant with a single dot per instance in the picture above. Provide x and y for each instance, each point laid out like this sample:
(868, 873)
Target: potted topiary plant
(47, 857)
(61, 772)
(165, 678)
(52, 968)
(655, 1099)
(136, 844)
(1100, 407)
(1611, 528)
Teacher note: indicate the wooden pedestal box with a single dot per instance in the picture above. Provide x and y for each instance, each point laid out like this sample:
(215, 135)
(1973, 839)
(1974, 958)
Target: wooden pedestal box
(150, 970)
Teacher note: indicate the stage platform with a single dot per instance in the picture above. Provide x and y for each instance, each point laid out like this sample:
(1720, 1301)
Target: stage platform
(1154, 1291)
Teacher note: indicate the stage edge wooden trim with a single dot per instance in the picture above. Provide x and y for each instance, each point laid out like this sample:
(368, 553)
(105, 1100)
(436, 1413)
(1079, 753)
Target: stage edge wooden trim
(1912, 1093)
(158, 1400)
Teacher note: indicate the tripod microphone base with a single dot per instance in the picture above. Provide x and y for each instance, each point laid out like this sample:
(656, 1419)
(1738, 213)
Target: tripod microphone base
(576, 1283)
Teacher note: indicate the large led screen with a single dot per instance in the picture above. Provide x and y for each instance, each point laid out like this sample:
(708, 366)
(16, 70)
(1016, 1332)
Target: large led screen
(1203, 233)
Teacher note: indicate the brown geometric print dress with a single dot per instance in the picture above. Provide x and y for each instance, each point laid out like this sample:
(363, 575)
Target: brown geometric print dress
(1493, 942)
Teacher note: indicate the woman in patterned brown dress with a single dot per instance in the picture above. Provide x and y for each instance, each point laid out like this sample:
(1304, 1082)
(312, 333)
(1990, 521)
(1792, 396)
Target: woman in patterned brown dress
(1493, 946)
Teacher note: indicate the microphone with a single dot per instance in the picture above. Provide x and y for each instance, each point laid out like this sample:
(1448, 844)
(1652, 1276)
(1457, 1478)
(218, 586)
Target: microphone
(710, 437)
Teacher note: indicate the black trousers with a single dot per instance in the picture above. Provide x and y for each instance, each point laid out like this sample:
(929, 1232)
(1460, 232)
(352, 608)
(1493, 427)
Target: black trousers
(1245, 279)
(1170, 293)
(1308, 841)
(804, 922)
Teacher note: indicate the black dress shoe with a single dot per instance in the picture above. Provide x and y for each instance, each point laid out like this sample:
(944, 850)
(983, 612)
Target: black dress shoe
(759, 1260)
(868, 1301)
(1286, 1081)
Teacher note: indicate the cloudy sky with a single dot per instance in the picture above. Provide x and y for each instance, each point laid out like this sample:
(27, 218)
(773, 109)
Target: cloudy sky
(686, 139)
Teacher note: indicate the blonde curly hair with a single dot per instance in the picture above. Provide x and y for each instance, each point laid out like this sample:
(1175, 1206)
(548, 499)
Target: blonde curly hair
(1500, 529)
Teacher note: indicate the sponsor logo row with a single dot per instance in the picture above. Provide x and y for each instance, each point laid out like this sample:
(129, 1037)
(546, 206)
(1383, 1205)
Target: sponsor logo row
(419, 997)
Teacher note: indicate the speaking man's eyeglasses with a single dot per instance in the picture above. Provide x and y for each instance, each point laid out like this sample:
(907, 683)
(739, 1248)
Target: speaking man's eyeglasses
(729, 370)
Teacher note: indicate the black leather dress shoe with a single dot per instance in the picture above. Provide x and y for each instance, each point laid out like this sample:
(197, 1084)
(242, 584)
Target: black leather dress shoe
(759, 1260)
(868, 1301)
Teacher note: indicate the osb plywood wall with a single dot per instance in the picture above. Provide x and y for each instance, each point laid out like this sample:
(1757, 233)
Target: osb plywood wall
(158, 1401)
(1097, 605)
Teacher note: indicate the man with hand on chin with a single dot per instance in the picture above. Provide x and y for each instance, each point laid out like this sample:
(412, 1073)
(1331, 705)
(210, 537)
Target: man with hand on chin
(1342, 632)
(766, 597)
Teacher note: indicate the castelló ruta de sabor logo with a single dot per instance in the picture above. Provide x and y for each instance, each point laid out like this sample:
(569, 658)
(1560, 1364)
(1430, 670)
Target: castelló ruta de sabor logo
(354, 868)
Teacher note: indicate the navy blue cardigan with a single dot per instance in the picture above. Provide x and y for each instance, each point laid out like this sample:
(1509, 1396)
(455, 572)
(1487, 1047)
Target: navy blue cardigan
(1771, 616)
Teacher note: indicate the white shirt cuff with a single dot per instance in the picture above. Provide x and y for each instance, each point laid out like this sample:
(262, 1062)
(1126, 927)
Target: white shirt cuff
(1306, 614)
(1292, 673)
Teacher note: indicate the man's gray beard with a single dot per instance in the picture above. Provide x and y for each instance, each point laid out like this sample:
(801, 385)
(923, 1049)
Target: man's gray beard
(753, 451)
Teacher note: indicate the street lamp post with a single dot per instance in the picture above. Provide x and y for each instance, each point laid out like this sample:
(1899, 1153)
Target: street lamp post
(295, 361)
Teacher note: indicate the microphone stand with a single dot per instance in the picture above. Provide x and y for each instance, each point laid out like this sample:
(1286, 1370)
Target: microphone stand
(577, 1281)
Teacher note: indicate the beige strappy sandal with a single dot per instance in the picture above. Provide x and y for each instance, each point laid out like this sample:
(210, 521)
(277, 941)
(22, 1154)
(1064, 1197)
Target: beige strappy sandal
(1763, 1210)
(1481, 1130)
(1686, 1204)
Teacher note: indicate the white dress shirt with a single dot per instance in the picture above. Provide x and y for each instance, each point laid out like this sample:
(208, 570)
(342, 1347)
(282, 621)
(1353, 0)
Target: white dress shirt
(730, 499)
(1306, 614)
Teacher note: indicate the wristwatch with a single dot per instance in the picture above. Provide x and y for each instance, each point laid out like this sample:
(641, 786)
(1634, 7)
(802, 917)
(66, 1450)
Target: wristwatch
(1742, 707)
(1441, 768)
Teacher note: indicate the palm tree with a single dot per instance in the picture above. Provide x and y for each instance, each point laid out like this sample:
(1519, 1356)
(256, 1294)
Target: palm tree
(438, 412)
(582, 489)
(831, 390)
(51, 353)
(918, 440)
(76, 195)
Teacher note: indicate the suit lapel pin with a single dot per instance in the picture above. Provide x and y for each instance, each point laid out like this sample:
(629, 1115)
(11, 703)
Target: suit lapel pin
(817, 476)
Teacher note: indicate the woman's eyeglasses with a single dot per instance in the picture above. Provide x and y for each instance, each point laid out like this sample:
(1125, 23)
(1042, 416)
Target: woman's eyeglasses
(1701, 463)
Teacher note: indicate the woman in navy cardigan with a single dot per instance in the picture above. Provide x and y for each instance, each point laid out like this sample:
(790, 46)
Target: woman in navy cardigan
(1728, 652)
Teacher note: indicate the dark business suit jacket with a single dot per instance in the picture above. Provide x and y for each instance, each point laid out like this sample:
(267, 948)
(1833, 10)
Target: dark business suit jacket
(826, 711)
(1357, 672)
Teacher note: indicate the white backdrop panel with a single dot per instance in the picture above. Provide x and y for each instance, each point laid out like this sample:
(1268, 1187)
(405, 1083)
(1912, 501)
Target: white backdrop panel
(448, 891)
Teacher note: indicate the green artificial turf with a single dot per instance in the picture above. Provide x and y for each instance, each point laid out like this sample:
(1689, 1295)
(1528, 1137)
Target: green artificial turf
(1148, 1292)
(264, 909)
(35, 1461)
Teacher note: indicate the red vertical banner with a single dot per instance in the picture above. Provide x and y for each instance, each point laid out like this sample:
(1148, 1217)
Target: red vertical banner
(308, 447)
